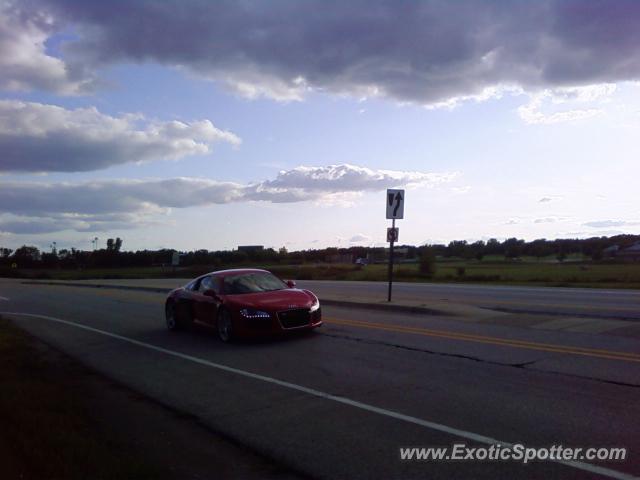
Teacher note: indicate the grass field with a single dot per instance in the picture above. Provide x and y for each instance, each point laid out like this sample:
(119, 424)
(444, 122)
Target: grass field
(489, 270)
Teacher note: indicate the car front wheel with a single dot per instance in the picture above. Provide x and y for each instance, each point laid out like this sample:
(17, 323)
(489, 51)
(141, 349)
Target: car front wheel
(170, 316)
(176, 316)
(225, 325)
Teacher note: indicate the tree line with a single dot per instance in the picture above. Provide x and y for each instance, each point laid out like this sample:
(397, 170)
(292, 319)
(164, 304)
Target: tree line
(114, 256)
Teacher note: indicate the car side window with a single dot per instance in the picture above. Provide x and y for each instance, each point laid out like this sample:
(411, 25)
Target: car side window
(208, 283)
(203, 284)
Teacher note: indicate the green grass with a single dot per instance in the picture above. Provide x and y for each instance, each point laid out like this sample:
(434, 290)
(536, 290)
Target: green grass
(495, 270)
(536, 273)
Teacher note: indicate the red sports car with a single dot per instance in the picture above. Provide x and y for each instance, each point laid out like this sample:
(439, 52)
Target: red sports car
(243, 302)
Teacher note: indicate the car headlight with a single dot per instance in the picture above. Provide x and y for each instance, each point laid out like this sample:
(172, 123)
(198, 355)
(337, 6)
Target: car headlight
(252, 313)
(315, 306)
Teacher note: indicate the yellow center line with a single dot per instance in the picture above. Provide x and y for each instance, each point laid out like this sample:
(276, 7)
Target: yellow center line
(606, 308)
(589, 352)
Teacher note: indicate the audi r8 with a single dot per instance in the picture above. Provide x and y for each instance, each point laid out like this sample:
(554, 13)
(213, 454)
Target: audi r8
(242, 303)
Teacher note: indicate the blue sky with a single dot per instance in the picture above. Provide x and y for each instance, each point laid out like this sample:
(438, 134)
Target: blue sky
(304, 162)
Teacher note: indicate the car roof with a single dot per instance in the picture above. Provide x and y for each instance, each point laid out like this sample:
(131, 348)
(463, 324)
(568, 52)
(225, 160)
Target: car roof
(236, 271)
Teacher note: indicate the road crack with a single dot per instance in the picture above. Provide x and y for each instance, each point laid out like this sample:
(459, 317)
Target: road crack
(520, 365)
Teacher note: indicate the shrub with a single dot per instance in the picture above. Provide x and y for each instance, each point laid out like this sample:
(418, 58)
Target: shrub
(428, 262)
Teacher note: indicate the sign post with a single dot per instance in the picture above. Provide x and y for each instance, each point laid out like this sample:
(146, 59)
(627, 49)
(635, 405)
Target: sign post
(395, 210)
(175, 261)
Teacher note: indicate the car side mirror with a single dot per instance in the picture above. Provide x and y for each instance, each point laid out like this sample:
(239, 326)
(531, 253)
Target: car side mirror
(291, 284)
(210, 293)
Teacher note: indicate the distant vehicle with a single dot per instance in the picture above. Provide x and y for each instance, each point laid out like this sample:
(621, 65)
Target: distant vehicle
(362, 261)
(242, 303)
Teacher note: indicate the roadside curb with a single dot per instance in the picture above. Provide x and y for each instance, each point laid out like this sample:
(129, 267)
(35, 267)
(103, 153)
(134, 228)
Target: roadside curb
(387, 307)
(100, 285)
(325, 301)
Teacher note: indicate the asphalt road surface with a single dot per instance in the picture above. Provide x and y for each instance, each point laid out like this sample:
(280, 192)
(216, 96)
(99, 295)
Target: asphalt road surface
(589, 302)
(341, 402)
(614, 304)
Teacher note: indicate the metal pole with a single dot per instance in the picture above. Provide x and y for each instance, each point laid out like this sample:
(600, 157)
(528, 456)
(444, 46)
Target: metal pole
(393, 226)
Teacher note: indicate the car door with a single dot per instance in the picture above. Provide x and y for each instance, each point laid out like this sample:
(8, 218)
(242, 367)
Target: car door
(206, 306)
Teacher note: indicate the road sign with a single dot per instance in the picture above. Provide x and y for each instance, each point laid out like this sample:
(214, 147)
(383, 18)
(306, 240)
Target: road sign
(392, 234)
(395, 204)
(395, 211)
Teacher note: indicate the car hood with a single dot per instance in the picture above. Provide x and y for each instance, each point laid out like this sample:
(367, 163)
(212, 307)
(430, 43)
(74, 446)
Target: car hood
(275, 300)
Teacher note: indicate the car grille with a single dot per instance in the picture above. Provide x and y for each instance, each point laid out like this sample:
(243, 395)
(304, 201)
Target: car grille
(258, 323)
(296, 318)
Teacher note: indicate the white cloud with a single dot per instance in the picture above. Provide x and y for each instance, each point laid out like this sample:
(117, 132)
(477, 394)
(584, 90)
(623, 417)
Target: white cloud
(38, 137)
(360, 239)
(550, 99)
(98, 205)
(550, 198)
(80, 223)
(551, 219)
(609, 223)
(24, 61)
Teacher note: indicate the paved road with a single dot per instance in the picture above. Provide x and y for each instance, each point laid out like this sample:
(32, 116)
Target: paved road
(341, 402)
(592, 302)
(624, 304)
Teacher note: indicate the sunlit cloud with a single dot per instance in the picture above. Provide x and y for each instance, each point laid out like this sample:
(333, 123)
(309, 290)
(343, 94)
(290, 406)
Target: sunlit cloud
(36, 137)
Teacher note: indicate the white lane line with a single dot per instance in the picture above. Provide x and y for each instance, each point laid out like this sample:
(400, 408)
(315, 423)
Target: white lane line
(343, 400)
(4, 299)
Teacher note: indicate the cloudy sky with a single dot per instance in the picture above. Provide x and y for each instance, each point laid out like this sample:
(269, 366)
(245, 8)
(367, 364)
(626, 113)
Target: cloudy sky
(197, 124)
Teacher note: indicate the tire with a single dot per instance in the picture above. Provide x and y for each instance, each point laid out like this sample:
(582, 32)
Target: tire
(224, 326)
(175, 317)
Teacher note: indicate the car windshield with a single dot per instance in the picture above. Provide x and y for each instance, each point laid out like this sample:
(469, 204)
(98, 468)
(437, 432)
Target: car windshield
(252, 283)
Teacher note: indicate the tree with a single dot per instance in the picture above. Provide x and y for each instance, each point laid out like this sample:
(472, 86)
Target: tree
(428, 262)
(476, 250)
(513, 247)
(118, 244)
(110, 244)
(457, 248)
(26, 256)
(493, 247)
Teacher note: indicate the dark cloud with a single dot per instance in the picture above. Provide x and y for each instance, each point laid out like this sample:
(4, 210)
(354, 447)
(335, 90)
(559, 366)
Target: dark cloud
(114, 204)
(39, 137)
(424, 52)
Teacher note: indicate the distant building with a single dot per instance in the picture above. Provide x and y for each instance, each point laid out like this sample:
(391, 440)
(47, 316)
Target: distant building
(610, 251)
(630, 253)
(250, 248)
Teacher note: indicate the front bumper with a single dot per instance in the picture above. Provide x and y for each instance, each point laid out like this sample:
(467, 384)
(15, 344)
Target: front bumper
(279, 322)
